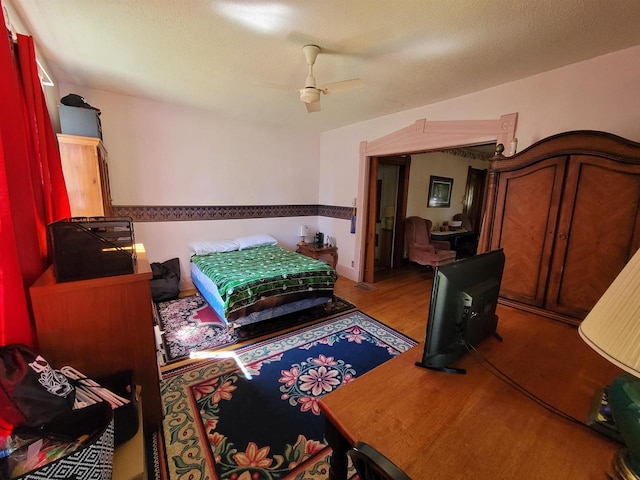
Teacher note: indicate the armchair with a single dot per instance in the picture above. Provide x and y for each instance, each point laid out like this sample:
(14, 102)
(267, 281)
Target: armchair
(421, 248)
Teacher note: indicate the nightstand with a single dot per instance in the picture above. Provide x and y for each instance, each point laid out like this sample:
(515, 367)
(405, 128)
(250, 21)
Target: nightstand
(328, 255)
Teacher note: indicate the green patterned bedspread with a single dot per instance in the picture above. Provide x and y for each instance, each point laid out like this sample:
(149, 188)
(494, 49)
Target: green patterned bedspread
(244, 277)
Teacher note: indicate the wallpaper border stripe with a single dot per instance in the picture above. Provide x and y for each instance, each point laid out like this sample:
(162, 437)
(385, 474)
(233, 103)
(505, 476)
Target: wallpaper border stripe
(231, 212)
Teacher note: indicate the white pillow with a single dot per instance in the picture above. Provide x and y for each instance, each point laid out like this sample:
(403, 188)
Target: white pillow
(214, 246)
(255, 241)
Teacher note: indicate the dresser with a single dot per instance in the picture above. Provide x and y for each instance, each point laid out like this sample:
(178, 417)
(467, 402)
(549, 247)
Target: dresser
(86, 174)
(101, 326)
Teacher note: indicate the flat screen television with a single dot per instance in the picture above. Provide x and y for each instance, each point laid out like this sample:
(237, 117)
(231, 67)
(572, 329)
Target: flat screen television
(464, 297)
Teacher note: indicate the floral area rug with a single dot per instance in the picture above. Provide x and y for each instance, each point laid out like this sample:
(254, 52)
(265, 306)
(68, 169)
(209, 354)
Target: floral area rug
(254, 414)
(189, 324)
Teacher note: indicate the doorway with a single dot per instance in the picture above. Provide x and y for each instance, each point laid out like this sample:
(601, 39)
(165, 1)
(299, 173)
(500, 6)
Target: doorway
(391, 192)
(420, 137)
(472, 205)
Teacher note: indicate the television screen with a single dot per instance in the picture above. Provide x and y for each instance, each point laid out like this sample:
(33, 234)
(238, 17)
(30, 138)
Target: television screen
(464, 297)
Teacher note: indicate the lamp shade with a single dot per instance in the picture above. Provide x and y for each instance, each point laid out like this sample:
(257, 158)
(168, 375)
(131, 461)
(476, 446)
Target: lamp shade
(303, 231)
(388, 212)
(612, 328)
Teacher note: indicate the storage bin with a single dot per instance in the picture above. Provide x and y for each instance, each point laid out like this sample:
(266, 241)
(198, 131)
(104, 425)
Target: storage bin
(80, 121)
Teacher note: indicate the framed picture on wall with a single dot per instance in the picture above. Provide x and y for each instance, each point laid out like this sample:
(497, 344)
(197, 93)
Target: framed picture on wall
(440, 191)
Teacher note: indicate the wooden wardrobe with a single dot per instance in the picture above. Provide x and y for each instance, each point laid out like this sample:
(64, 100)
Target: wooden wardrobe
(566, 211)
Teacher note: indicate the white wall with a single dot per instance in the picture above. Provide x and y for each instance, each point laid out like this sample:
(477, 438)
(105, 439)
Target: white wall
(598, 94)
(164, 154)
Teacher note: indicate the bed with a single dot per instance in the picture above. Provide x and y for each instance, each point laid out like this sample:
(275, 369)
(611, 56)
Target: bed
(252, 279)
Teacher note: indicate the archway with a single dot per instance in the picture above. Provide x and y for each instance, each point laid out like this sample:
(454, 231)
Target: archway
(420, 137)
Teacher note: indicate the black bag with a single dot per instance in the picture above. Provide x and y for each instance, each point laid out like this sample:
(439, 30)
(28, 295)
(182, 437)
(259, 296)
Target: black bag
(31, 392)
(125, 417)
(166, 280)
(75, 100)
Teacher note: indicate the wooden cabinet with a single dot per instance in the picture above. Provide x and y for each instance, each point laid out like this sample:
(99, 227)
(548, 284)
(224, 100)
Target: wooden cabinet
(86, 174)
(101, 326)
(566, 211)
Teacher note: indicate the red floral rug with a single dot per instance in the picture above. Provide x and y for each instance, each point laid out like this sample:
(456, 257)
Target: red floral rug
(189, 324)
(253, 413)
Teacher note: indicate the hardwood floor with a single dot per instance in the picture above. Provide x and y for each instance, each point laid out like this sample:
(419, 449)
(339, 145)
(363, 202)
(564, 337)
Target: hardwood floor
(400, 299)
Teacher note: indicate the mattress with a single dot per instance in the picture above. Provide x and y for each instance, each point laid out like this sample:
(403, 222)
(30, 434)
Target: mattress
(255, 284)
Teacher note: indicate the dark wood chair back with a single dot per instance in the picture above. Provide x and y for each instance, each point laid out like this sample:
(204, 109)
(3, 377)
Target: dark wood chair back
(370, 464)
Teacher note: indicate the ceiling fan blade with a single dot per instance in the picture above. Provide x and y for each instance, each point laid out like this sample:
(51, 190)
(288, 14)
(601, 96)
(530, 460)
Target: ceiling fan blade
(313, 107)
(342, 86)
(275, 86)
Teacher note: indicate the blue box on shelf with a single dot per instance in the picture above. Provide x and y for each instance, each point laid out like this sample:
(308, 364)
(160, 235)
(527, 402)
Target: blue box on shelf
(84, 122)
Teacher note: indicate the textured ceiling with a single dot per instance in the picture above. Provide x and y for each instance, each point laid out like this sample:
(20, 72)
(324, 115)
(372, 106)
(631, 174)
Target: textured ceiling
(216, 54)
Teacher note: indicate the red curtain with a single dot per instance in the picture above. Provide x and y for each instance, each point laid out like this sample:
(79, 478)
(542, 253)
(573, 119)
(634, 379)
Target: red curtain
(32, 189)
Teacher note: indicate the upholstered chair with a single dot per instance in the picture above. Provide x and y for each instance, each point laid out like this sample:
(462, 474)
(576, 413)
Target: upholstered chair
(421, 248)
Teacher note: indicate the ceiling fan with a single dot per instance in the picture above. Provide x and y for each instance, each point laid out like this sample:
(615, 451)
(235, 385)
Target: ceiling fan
(310, 94)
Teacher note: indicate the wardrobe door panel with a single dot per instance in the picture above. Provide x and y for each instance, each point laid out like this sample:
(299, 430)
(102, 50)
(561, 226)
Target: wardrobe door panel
(597, 232)
(86, 175)
(526, 214)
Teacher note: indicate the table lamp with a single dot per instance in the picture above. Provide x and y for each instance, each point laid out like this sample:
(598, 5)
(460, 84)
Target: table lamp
(303, 231)
(612, 329)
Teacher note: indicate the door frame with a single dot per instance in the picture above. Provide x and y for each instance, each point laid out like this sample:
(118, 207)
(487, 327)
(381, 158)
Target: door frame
(419, 137)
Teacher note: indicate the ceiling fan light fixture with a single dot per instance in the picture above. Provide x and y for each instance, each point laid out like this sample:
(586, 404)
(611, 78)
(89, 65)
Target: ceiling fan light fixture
(309, 95)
